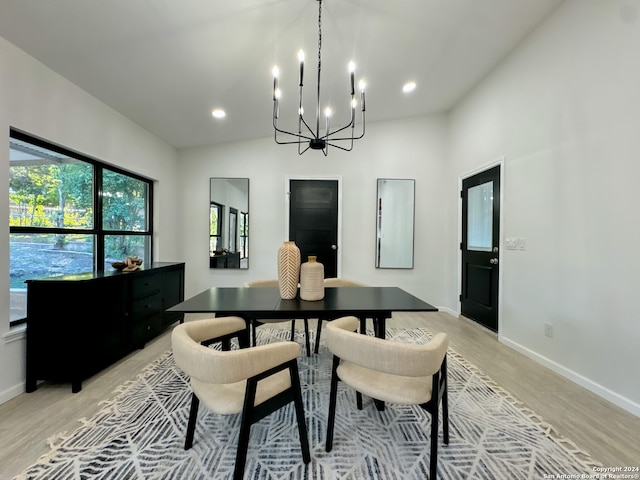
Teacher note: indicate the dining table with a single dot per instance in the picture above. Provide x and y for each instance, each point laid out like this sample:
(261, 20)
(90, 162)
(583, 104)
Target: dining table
(377, 303)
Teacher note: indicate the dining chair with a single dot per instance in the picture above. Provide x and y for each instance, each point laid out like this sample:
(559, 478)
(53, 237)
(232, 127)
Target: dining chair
(256, 381)
(339, 282)
(255, 323)
(390, 371)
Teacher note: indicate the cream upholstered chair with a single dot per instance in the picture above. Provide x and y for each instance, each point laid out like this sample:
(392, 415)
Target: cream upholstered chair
(254, 323)
(256, 381)
(339, 282)
(401, 373)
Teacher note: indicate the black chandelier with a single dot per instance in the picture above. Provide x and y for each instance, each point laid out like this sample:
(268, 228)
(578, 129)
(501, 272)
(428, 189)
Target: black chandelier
(306, 138)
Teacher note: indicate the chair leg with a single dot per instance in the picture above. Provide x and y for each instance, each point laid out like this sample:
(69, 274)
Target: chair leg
(363, 326)
(253, 333)
(191, 424)
(293, 330)
(331, 419)
(297, 400)
(359, 400)
(445, 402)
(306, 336)
(245, 428)
(433, 410)
(318, 333)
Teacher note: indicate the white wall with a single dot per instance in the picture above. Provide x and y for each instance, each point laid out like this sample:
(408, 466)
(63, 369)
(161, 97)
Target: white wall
(564, 110)
(35, 99)
(411, 148)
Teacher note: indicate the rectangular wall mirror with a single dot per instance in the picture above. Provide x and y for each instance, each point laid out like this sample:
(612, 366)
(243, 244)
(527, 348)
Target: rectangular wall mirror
(395, 222)
(229, 223)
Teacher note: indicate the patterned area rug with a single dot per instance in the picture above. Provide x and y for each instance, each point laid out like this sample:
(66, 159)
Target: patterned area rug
(140, 434)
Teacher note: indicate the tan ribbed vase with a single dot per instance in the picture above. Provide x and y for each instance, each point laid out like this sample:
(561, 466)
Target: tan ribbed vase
(288, 270)
(312, 280)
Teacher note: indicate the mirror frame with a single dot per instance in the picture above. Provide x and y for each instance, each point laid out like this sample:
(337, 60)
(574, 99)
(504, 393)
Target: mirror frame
(395, 196)
(226, 193)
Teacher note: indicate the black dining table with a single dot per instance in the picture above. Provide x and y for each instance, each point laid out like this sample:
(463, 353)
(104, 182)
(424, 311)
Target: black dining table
(376, 303)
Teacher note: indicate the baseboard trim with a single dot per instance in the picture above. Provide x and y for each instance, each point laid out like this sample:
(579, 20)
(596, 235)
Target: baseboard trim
(449, 311)
(581, 380)
(12, 392)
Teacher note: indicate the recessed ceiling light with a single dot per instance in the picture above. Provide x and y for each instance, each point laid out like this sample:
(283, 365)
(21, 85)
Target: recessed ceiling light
(218, 113)
(409, 87)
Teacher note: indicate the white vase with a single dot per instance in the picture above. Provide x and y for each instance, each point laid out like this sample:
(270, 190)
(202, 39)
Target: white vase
(288, 270)
(312, 280)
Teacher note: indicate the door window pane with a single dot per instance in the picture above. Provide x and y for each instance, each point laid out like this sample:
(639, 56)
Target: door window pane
(480, 218)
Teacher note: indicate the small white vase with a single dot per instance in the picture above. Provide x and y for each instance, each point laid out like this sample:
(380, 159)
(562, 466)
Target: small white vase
(312, 280)
(288, 270)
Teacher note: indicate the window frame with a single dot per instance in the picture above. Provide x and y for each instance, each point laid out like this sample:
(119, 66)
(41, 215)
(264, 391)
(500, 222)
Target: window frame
(97, 230)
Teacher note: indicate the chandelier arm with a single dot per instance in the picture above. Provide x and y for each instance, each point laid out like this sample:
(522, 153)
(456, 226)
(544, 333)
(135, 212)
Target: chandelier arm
(352, 137)
(348, 125)
(300, 152)
(308, 127)
(288, 142)
(341, 147)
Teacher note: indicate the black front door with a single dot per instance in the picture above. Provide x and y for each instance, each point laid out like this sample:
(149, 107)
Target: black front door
(480, 241)
(313, 221)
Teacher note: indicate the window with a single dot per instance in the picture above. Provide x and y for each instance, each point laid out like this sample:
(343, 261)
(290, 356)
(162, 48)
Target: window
(216, 213)
(244, 234)
(233, 229)
(61, 223)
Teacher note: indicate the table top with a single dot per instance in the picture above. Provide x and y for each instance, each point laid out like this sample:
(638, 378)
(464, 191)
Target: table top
(259, 302)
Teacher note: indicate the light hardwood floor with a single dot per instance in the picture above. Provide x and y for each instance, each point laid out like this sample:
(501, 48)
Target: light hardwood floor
(609, 434)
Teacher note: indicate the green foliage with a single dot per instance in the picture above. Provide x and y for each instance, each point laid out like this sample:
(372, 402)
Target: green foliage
(51, 195)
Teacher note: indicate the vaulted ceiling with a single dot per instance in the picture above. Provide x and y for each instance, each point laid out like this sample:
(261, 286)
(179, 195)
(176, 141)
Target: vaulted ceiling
(165, 64)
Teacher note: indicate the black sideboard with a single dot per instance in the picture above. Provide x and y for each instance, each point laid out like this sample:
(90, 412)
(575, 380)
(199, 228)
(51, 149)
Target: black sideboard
(79, 324)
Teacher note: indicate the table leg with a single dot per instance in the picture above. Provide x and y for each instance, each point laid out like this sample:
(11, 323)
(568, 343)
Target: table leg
(380, 326)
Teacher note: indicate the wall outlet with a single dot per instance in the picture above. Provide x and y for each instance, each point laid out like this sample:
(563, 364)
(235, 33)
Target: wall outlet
(548, 330)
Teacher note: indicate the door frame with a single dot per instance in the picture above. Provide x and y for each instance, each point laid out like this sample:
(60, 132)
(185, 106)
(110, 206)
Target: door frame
(287, 193)
(499, 162)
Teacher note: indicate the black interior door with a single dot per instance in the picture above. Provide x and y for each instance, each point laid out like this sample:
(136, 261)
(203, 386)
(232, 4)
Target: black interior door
(313, 221)
(480, 241)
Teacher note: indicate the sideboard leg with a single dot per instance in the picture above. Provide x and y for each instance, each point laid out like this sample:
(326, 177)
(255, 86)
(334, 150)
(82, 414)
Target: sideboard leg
(31, 385)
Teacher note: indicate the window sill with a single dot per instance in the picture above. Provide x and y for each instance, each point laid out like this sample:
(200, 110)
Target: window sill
(14, 334)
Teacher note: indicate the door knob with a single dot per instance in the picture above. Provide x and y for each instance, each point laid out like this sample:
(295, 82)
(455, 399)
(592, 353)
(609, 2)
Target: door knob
(493, 261)
(334, 247)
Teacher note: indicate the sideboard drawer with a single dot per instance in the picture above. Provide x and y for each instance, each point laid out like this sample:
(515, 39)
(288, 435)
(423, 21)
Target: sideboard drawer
(144, 307)
(145, 286)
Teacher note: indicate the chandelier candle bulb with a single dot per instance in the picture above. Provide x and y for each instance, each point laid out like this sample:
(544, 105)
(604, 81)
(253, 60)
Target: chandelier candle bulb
(275, 72)
(301, 59)
(352, 72)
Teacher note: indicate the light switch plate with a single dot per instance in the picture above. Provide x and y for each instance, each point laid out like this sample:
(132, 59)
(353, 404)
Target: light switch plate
(511, 243)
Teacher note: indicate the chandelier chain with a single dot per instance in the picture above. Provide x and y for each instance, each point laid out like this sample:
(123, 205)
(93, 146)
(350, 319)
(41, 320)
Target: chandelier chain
(319, 31)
